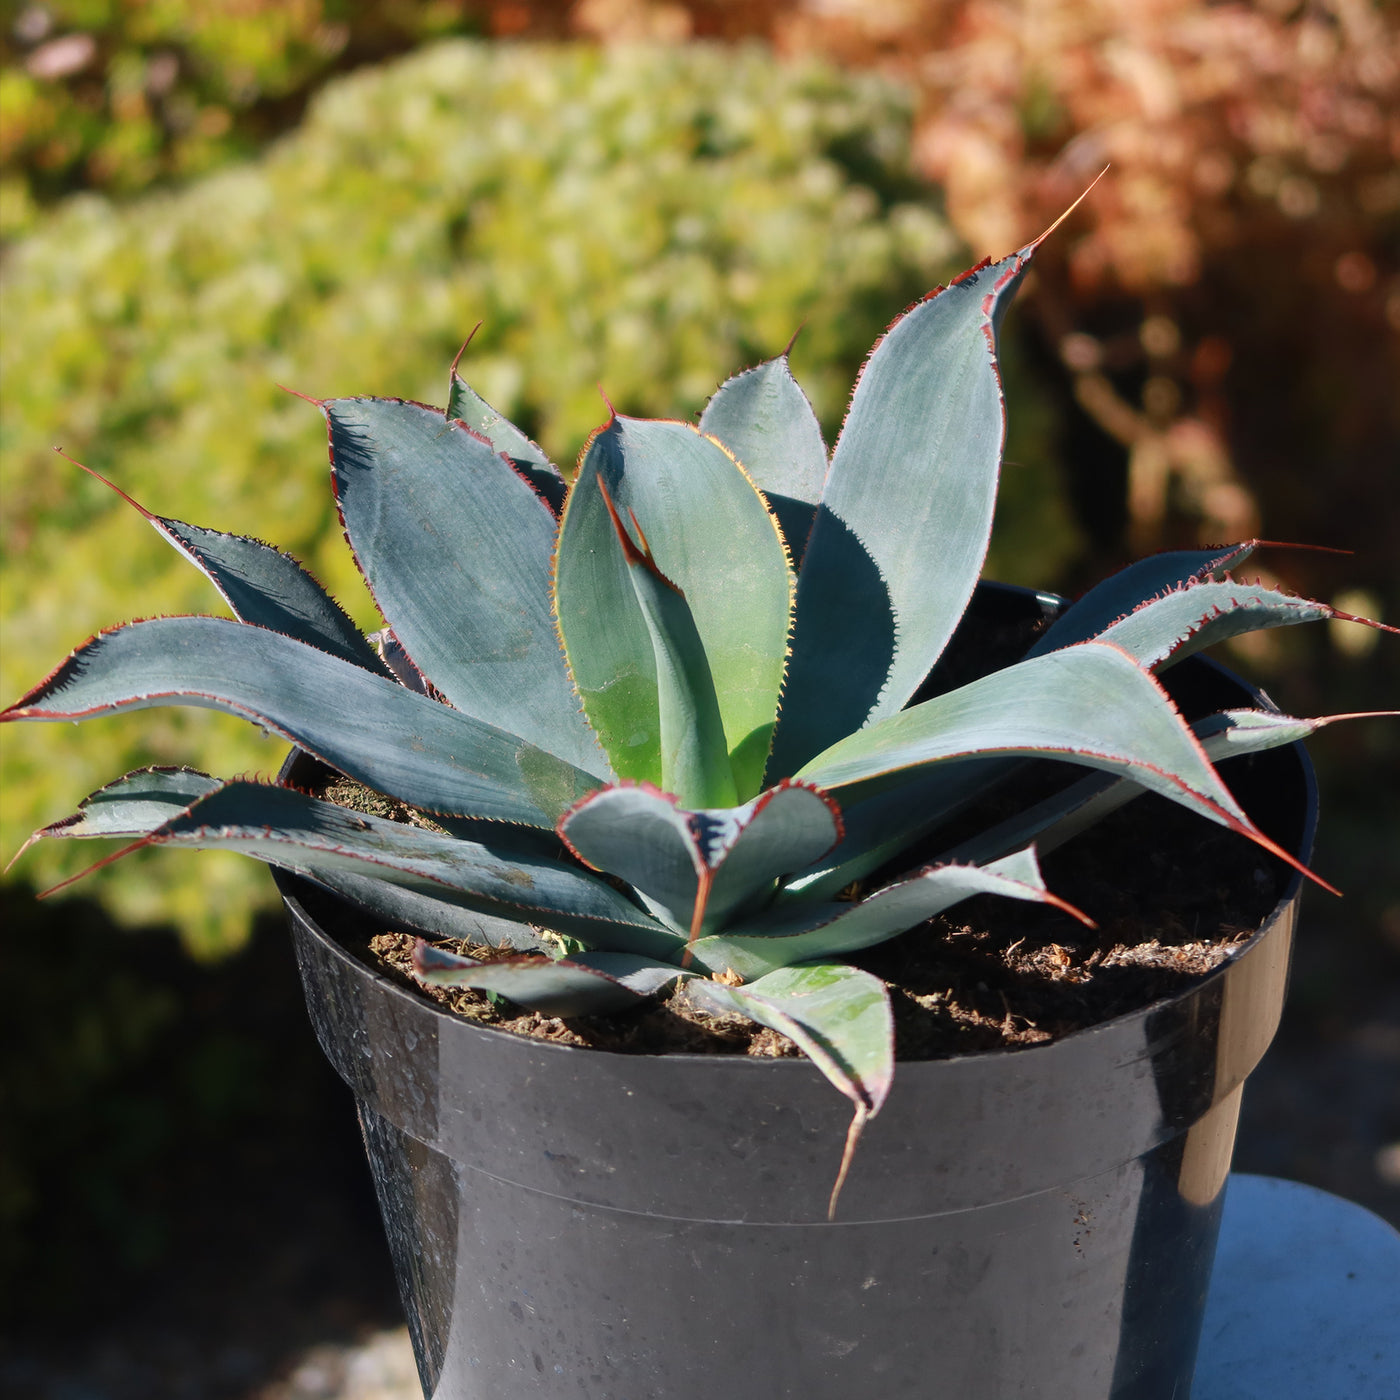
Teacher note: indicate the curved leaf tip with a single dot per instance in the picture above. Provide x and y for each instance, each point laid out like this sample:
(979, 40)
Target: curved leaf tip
(1036, 242)
(457, 358)
(305, 398)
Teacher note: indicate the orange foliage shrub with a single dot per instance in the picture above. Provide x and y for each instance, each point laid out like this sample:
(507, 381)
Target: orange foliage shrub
(1286, 106)
(1250, 212)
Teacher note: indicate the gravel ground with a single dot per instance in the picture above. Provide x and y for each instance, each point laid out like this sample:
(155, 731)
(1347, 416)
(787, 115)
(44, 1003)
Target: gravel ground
(379, 1368)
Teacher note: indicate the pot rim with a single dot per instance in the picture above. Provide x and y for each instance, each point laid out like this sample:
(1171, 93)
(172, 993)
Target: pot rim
(288, 884)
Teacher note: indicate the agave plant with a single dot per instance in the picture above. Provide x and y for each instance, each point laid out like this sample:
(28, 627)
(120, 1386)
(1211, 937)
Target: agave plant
(660, 717)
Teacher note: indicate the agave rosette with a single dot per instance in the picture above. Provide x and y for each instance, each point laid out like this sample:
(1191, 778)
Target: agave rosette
(665, 710)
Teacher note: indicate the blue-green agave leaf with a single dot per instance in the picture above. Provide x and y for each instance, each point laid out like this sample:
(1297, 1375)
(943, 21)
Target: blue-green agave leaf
(582, 985)
(839, 1016)
(880, 824)
(270, 589)
(465, 405)
(802, 930)
(262, 585)
(883, 822)
(1064, 815)
(400, 907)
(309, 836)
(712, 536)
(133, 805)
(699, 867)
(1168, 629)
(369, 727)
(455, 547)
(1089, 704)
(763, 417)
(1118, 595)
(400, 664)
(918, 459)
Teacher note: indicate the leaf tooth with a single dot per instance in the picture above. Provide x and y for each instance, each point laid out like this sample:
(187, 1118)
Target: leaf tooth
(970, 274)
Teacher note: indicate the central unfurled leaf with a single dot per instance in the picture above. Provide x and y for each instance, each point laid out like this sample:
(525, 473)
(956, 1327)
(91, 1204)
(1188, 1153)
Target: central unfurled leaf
(694, 751)
(841, 1019)
(711, 535)
(763, 417)
(369, 727)
(455, 547)
(905, 517)
(700, 867)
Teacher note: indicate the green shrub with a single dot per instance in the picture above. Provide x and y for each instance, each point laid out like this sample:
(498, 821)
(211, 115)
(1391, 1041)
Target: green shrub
(647, 221)
(117, 95)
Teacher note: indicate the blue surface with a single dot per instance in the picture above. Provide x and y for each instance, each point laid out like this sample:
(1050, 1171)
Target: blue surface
(1304, 1303)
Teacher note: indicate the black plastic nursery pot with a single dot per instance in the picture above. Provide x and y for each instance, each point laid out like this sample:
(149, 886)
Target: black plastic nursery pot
(578, 1223)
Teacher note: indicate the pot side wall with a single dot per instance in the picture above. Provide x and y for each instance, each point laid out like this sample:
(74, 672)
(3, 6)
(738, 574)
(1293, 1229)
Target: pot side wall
(576, 1223)
(1030, 1223)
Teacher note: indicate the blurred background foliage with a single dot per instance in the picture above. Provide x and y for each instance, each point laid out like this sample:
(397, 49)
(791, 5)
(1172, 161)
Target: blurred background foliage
(117, 95)
(645, 220)
(1254, 144)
